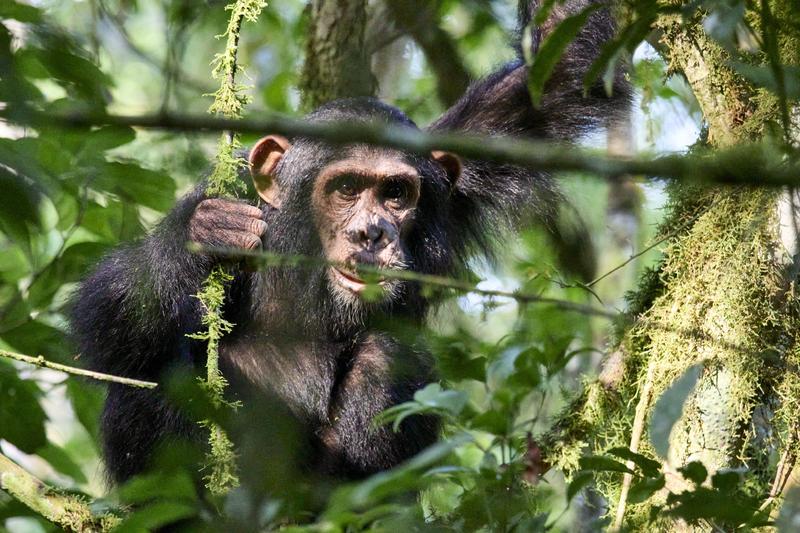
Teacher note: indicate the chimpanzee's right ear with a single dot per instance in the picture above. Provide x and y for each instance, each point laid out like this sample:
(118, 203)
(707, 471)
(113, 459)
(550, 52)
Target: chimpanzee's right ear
(264, 158)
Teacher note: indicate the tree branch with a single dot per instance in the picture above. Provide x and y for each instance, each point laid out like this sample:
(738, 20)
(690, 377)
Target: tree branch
(273, 259)
(69, 512)
(743, 164)
(43, 363)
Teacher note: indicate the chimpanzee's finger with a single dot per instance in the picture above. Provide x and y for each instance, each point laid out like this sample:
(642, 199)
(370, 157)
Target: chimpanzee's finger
(236, 222)
(230, 206)
(236, 239)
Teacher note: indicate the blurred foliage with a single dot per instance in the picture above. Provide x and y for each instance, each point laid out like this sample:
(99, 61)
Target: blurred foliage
(69, 196)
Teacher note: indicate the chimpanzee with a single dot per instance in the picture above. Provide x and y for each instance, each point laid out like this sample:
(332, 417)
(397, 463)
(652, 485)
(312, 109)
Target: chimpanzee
(308, 336)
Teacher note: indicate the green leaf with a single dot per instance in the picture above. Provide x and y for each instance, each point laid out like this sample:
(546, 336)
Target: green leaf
(669, 407)
(87, 400)
(69, 267)
(22, 419)
(18, 207)
(450, 401)
(61, 461)
(600, 463)
(610, 52)
(578, 483)
(154, 516)
(138, 185)
(764, 76)
(21, 12)
(492, 421)
(551, 50)
(642, 490)
(649, 467)
(158, 485)
(707, 504)
(694, 471)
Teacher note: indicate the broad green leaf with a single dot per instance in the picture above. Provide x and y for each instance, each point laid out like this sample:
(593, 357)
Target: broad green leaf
(643, 489)
(764, 76)
(448, 400)
(726, 480)
(156, 515)
(600, 463)
(669, 407)
(21, 417)
(578, 483)
(708, 504)
(9, 9)
(551, 50)
(649, 467)
(137, 185)
(87, 401)
(71, 266)
(612, 51)
(62, 462)
(19, 201)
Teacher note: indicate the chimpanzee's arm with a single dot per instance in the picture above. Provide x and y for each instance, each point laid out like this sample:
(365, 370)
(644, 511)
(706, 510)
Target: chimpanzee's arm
(381, 374)
(132, 313)
(500, 105)
(131, 316)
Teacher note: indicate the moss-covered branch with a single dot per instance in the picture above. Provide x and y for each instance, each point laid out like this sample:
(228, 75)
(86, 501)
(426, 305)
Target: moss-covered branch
(68, 512)
(744, 164)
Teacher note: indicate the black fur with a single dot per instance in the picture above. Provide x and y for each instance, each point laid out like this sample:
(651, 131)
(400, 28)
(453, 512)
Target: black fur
(294, 341)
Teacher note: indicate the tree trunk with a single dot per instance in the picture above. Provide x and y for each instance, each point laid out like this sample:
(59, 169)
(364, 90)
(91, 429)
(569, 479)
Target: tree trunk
(721, 297)
(336, 65)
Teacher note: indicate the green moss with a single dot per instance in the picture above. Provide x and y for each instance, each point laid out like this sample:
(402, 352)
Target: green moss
(229, 101)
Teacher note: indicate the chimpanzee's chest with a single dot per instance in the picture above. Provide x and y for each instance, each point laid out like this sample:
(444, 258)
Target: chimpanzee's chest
(301, 374)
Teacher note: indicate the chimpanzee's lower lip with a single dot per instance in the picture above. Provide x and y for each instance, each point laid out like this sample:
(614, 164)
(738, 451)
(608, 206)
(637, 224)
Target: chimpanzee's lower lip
(350, 280)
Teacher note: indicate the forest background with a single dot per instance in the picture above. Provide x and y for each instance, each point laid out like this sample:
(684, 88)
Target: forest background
(676, 406)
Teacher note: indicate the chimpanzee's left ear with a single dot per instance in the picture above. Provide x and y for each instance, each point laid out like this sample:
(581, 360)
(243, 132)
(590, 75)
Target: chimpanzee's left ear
(451, 164)
(264, 158)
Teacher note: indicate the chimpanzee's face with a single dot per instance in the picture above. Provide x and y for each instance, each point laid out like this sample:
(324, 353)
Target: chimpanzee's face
(364, 208)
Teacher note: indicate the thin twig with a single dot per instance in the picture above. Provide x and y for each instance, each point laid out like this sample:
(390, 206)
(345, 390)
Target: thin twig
(640, 253)
(40, 361)
(745, 164)
(273, 259)
(636, 435)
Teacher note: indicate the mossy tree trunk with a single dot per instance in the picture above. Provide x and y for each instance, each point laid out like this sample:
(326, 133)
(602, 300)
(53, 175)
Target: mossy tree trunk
(722, 296)
(337, 65)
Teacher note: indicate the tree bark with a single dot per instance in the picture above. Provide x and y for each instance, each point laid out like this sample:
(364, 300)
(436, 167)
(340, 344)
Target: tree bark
(336, 65)
(722, 296)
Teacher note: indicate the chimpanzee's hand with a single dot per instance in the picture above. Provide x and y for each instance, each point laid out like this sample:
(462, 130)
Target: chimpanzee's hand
(227, 223)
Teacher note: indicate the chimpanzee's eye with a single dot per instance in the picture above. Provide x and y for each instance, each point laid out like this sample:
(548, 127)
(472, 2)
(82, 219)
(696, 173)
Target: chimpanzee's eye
(395, 191)
(347, 186)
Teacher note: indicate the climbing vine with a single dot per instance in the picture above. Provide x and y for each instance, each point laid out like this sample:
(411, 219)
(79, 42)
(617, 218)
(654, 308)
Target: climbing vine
(229, 101)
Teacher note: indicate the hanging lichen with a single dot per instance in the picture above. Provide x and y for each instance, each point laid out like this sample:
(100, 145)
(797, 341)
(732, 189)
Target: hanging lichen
(229, 101)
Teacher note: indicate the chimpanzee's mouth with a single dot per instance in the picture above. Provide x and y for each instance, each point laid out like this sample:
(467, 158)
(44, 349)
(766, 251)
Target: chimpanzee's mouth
(350, 280)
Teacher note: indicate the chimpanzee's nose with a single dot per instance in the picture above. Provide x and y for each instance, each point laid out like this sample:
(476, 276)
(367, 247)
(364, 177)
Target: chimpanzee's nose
(373, 237)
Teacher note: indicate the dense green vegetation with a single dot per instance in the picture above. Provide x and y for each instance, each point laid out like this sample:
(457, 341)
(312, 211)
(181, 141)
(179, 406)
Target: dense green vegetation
(703, 349)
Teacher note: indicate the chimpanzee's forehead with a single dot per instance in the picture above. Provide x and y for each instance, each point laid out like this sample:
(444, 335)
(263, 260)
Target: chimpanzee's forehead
(306, 158)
